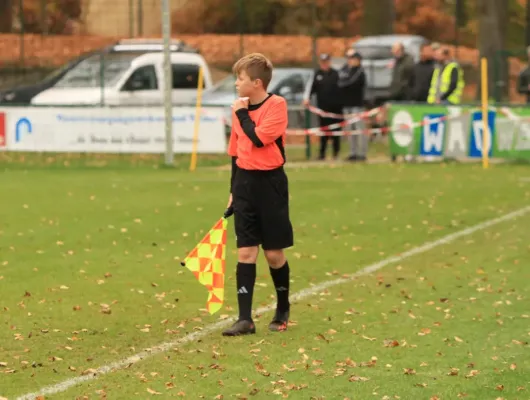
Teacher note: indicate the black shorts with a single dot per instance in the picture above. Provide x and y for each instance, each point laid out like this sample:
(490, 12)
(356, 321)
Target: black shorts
(261, 209)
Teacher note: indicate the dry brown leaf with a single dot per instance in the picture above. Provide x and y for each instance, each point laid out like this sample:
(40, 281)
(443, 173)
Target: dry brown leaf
(318, 372)
(369, 338)
(513, 367)
(422, 385)
(89, 371)
(391, 343)
(355, 378)
(3, 364)
(499, 387)
(151, 391)
(409, 371)
(458, 339)
(453, 372)
(472, 373)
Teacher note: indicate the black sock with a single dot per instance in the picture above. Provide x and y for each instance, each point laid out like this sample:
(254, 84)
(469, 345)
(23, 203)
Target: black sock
(280, 277)
(246, 278)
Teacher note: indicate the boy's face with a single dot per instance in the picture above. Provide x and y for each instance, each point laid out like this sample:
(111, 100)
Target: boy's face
(246, 86)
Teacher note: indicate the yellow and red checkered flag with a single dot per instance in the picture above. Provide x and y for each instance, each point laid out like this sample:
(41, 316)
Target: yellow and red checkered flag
(207, 262)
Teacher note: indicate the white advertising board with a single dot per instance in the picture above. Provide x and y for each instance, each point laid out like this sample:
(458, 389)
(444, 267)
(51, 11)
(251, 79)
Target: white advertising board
(108, 129)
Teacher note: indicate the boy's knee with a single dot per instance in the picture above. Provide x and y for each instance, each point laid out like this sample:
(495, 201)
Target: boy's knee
(247, 255)
(275, 258)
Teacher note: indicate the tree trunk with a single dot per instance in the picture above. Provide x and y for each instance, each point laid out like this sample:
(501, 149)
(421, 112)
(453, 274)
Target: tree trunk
(378, 17)
(527, 41)
(493, 15)
(6, 16)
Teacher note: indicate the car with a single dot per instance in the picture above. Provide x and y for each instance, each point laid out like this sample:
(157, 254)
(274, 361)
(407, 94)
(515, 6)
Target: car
(24, 94)
(290, 83)
(377, 61)
(125, 79)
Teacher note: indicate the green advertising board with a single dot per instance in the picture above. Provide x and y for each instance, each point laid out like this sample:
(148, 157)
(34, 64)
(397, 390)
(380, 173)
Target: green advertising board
(456, 131)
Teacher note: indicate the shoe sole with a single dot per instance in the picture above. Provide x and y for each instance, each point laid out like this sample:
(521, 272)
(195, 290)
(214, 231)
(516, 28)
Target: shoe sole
(278, 328)
(239, 333)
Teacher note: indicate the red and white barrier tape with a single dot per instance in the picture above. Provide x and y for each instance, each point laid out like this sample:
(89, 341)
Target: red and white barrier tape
(326, 131)
(326, 114)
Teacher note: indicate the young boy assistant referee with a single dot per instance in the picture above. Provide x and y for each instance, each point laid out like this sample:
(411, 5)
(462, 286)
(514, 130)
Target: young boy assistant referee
(259, 194)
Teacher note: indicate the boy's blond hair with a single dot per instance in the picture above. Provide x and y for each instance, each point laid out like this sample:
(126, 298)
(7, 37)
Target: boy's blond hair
(257, 66)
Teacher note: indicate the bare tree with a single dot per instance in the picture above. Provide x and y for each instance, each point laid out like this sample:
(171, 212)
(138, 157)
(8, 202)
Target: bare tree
(493, 19)
(6, 16)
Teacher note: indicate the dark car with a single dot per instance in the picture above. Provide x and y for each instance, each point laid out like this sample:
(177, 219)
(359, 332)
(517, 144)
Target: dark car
(24, 94)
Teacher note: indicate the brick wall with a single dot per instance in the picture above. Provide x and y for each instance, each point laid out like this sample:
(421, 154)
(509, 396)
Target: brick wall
(217, 49)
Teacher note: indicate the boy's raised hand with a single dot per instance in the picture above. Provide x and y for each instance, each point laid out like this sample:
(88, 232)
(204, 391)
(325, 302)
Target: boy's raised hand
(240, 103)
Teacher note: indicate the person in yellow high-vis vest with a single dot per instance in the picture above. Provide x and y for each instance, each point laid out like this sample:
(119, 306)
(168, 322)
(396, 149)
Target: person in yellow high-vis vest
(447, 82)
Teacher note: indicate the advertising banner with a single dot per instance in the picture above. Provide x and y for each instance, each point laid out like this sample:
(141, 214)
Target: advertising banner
(457, 132)
(108, 129)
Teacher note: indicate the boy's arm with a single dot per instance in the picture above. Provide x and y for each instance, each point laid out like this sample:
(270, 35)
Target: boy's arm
(232, 151)
(273, 126)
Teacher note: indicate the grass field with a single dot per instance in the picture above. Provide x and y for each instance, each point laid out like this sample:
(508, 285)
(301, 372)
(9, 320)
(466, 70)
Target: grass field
(89, 275)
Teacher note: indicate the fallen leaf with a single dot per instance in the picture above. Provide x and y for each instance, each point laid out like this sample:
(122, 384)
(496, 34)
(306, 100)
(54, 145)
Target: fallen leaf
(89, 371)
(391, 343)
(355, 378)
(458, 339)
(513, 367)
(151, 391)
(472, 373)
(499, 387)
(453, 372)
(422, 385)
(424, 331)
(409, 371)
(319, 372)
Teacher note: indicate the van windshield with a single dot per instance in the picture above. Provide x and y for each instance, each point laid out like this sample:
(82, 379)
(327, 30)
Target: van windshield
(375, 52)
(97, 70)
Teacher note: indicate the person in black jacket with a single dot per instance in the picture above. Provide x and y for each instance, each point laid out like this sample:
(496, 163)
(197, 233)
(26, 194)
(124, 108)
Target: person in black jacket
(325, 88)
(421, 78)
(352, 85)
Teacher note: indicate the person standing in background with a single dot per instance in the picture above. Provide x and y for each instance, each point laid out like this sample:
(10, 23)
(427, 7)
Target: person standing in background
(447, 83)
(423, 70)
(401, 74)
(324, 86)
(352, 86)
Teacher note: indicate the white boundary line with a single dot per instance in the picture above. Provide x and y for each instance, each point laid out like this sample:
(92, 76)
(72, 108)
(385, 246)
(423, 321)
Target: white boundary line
(164, 347)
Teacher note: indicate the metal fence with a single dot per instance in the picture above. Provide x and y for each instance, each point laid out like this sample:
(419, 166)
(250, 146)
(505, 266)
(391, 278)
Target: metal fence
(507, 66)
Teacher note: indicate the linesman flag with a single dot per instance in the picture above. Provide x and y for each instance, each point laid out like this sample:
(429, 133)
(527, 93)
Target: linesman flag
(207, 261)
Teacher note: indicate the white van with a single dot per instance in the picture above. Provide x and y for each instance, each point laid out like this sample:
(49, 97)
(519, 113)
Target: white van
(121, 78)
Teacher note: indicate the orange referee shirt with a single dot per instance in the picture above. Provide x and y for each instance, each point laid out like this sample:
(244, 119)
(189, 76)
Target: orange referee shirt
(258, 135)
